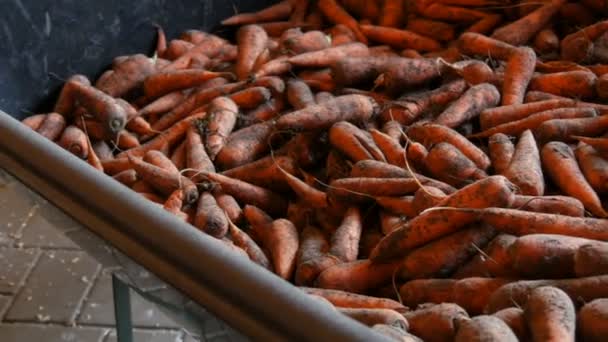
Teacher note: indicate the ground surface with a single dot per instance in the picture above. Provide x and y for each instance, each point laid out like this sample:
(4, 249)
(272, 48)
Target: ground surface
(55, 281)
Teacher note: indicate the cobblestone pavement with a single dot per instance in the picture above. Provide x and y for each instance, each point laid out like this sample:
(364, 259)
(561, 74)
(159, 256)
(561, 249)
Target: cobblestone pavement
(52, 290)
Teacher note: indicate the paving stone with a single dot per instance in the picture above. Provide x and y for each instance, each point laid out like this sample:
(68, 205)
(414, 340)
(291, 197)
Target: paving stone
(93, 246)
(39, 232)
(14, 266)
(149, 336)
(98, 308)
(55, 289)
(49, 333)
(4, 301)
(16, 208)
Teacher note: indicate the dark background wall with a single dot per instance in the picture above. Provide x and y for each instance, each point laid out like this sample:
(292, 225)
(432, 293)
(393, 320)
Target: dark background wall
(43, 42)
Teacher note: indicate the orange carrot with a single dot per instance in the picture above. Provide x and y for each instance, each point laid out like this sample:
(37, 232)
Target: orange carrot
(600, 144)
(343, 299)
(342, 108)
(127, 177)
(265, 172)
(244, 241)
(74, 140)
(245, 145)
(470, 43)
(299, 94)
(546, 41)
(250, 97)
(315, 198)
(354, 143)
(432, 224)
(578, 46)
(34, 121)
(404, 73)
(563, 205)
(345, 241)
(484, 327)
(52, 126)
(209, 216)
(281, 239)
(251, 40)
(158, 159)
(574, 84)
(248, 193)
(174, 204)
(593, 166)
(166, 82)
(564, 129)
(591, 320)
(492, 117)
(357, 276)
(518, 73)
(448, 164)
(400, 39)
(495, 261)
(525, 170)
(436, 323)
(389, 147)
(560, 162)
(335, 13)
(326, 57)
(222, 119)
(197, 159)
(313, 245)
(486, 24)
(307, 42)
(522, 30)
(550, 314)
(434, 29)
(501, 151)
(279, 11)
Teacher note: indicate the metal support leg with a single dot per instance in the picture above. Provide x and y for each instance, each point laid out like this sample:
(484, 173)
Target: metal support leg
(122, 310)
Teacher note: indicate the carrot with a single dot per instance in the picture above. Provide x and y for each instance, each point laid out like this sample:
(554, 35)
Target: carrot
(174, 204)
(313, 245)
(390, 148)
(578, 46)
(492, 191)
(400, 39)
(357, 276)
(52, 126)
(518, 73)
(244, 241)
(373, 316)
(279, 11)
(448, 164)
(441, 257)
(473, 71)
(431, 134)
(564, 129)
(391, 13)
(250, 97)
(395, 333)
(426, 197)
(484, 328)
(323, 96)
(514, 318)
(591, 259)
(245, 145)
(521, 31)
(178, 156)
(574, 84)
(562, 205)
(74, 140)
(222, 119)
(486, 24)
(315, 198)
(475, 44)
(248, 193)
(166, 82)
(546, 41)
(197, 160)
(66, 101)
(472, 102)
(164, 181)
(493, 117)
(601, 86)
(158, 159)
(351, 70)
(307, 42)
(209, 216)
(342, 108)
(105, 108)
(336, 14)
(277, 66)
(343, 299)
(101, 150)
(393, 129)
(127, 177)
(501, 150)
(176, 48)
(318, 80)
(406, 73)
(495, 261)
(436, 323)
(281, 239)
(126, 76)
(264, 112)
(251, 40)
(397, 205)
(344, 242)
(307, 149)
(411, 106)
(326, 57)
(440, 11)
(525, 170)
(34, 121)
(550, 314)
(560, 163)
(592, 320)
(436, 30)
(354, 143)
(299, 94)
(534, 120)
(390, 222)
(559, 66)
(600, 144)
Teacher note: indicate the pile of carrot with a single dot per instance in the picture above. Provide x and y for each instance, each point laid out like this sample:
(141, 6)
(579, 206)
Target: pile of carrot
(435, 169)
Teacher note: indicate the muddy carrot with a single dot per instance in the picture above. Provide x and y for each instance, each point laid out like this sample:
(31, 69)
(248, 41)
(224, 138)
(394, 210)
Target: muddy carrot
(127, 76)
(436, 322)
(448, 164)
(501, 151)
(573, 84)
(563, 205)
(400, 39)
(525, 170)
(477, 44)
(245, 145)
(521, 31)
(338, 15)
(158, 159)
(484, 328)
(344, 299)
(313, 246)
(492, 117)
(495, 261)
(564, 129)
(434, 29)
(518, 73)
(354, 143)
(265, 172)
(357, 276)
(593, 166)
(74, 140)
(299, 94)
(315, 198)
(551, 315)
(560, 163)
(279, 11)
(326, 57)
(52, 126)
(251, 42)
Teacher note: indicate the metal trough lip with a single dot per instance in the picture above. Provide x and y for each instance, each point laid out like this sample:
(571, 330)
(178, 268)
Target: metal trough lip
(253, 300)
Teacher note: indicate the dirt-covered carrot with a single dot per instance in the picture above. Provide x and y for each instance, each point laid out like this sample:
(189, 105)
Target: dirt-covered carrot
(573, 84)
(434, 29)
(251, 42)
(222, 119)
(473, 71)
(336, 14)
(400, 39)
(436, 323)
(315, 198)
(546, 41)
(550, 314)
(405, 73)
(127, 177)
(52, 126)
(166, 82)
(484, 328)
(472, 102)
(561, 165)
(164, 181)
(34, 121)
(600, 144)
(209, 217)
(525, 169)
(265, 172)
(501, 150)
(345, 241)
(248, 193)
(514, 318)
(126, 76)
(441, 257)
(245, 145)
(357, 276)
(534, 120)
(477, 44)
(492, 117)
(299, 94)
(494, 191)
(327, 57)
(244, 241)
(197, 159)
(354, 143)
(447, 163)
(592, 320)
(306, 42)
(157, 158)
(564, 129)
(430, 134)
(344, 299)
(398, 205)
(391, 149)
(562, 205)
(279, 11)
(521, 31)
(373, 316)
(493, 262)
(591, 259)
(578, 46)
(230, 206)
(281, 239)
(518, 73)
(313, 245)
(343, 108)
(74, 140)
